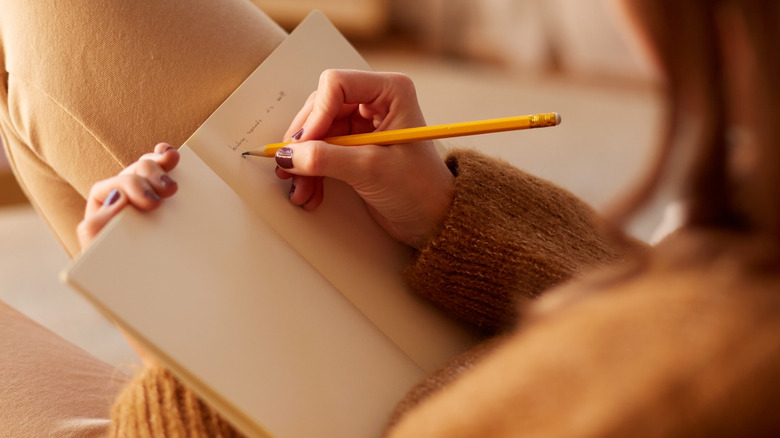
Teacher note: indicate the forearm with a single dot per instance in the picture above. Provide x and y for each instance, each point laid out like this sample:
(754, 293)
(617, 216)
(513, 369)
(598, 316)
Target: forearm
(507, 237)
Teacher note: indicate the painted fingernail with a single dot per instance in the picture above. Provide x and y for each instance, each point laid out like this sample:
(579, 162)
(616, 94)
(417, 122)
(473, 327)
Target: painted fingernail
(298, 135)
(292, 191)
(167, 181)
(151, 195)
(284, 158)
(112, 197)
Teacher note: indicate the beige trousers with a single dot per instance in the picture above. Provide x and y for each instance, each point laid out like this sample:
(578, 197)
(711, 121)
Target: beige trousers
(87, 87)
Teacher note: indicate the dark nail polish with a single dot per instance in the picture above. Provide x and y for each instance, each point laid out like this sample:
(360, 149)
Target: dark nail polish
(292, 191)
(167, 181)
(298, 135)
(151, 195)
(284, 158)
(112, 198)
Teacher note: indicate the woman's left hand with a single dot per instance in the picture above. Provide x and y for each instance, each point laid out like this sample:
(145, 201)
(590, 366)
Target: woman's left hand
(142, 184)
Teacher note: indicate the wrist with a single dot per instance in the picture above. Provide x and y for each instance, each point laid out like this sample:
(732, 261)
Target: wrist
(437, 208)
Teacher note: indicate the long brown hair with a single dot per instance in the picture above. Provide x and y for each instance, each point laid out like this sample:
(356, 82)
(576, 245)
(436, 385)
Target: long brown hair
(689, 41)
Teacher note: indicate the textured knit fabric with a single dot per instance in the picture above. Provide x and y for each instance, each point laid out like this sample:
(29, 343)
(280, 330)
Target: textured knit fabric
(508, 237)
(155, 404)
(88, 87)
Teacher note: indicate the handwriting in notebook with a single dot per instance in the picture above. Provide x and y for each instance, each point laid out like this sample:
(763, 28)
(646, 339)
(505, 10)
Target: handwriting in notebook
(257, 122)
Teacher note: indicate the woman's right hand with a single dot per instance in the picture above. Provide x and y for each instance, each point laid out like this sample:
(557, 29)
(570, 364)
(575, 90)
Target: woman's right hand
(408, 188)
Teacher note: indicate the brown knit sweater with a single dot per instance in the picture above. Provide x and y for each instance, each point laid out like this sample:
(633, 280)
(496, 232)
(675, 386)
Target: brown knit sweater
(687, 346)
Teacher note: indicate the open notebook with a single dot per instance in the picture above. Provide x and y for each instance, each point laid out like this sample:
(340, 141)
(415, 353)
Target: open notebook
(291, 324)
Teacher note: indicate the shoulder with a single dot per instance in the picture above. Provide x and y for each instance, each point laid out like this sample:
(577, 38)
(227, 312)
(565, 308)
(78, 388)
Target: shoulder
(683, 346)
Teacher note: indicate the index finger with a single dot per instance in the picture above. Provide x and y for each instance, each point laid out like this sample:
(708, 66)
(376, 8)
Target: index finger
(164, 155)
(338, 88)
(305, 112)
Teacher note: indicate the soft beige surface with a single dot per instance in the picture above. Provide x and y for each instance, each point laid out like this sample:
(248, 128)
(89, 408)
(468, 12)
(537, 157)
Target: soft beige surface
(604, 139)
(30, 262)
(51, 388)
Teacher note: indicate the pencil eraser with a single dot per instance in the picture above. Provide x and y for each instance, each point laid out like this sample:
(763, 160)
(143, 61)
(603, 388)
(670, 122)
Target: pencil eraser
(557, 119)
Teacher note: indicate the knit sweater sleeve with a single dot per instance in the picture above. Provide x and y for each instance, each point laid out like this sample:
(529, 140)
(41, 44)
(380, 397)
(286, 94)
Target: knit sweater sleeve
(507, 237)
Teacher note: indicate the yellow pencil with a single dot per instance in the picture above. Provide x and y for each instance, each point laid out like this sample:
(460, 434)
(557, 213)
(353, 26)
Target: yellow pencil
(428, 132)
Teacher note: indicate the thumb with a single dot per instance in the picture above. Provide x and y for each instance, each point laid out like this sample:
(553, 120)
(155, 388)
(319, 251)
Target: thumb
(92, 223)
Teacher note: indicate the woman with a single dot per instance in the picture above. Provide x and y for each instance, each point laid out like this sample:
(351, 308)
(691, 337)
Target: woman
(679, 340)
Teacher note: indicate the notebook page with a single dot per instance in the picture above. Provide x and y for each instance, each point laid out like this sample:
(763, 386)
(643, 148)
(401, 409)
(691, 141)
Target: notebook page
(340, 239)
(236, 313)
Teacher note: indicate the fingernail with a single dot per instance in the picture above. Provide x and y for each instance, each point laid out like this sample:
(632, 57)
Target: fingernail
(151, 195)
(292, 191)
(284, 158)
(112, 197)
(167, 181)
(298, 135)
(169, 147)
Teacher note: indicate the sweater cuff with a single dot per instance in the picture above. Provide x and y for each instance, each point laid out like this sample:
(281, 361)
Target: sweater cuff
(507, 237)
(156, 404)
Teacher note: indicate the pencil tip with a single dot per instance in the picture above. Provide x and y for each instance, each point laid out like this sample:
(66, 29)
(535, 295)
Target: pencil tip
(244, 154)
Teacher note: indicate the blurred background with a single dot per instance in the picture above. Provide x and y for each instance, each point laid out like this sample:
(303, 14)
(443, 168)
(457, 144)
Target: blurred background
(470, 60)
